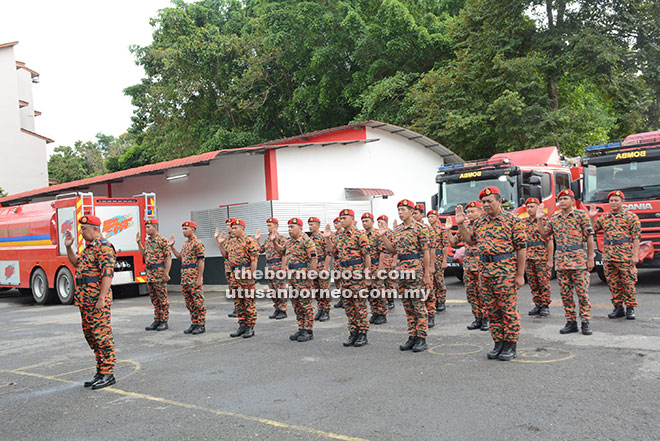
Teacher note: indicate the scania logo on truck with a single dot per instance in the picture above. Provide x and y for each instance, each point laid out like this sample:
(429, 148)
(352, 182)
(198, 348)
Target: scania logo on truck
(629, 155)
(642, 206)
(470, 175)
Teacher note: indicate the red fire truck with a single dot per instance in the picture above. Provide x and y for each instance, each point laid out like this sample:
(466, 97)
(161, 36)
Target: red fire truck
(32, 253)
(539, 173)
(628, 165)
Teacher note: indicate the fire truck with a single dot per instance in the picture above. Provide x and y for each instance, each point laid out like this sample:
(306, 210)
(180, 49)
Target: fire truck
(540, 173)
(630, 165)
(33, 257)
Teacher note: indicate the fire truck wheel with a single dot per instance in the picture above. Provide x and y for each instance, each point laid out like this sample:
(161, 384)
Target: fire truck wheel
(64, 286)
(39, 286)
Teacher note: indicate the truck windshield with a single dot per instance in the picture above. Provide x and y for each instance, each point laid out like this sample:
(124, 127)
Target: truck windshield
(638, 180)
(455, 193)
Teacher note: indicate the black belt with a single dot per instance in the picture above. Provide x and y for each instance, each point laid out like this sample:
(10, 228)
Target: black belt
(353, 262)
(190, 265)
(401, 257)
(536, 243)
(569, 247)
(297, 265)
(276, 260)
(496, 258)
(617, 241)
(151, 266)
(245, 265)
(87, 280)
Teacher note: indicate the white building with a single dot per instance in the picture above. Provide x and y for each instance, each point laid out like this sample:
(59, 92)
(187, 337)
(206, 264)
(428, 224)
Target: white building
(24, 164)
(367, 166)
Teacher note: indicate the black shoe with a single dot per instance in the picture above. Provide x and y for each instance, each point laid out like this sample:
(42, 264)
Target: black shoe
(545, 311)
(294, 337)
(351, 339)
(190, 329)
(390, 304)
(238, 332)
(571, 326)
(476, 324)
(380, 319)
(586, 328)
(372, 319)
(340, 303)
(497, 350)
(508, 351)
(485, 326)
(232, 314)
(420, 345)
(249, 332)
(91, 382)
(306, 336)
(536, 310)
(152, 327)
(430, 320)
(280, 315)
(318, 315)
(200, 329)
(618, 312)
(105, 381)
(325, 315)
(409, 344)
(361, 340)
(630, 313)
(440, 306)
(274, 314)
(162, 326)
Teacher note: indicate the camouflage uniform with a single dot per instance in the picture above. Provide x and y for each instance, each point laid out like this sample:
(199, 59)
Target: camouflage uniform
(95, 262)
(191, 253)
(570, 232)
(620, 229)
(410, 243)
(299, 253)
(439, 241)
(321, 285)
(498, 239)
(240, 253)
(536, 268)
(274, 263)
(473, 293)
(388, 284)
(351, 246)
(156, 253)
(377, 300)
(431, 301)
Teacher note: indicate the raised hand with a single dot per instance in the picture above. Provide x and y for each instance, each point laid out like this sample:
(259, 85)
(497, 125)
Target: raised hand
(272, 236)
(222, 237)
(216, 234)
(539, 213)
(327, 232)
(593, 211)
(257, 235)
(171, 241)
(68, 239)
(460, 214)
(138, 237)
(448, 223)
(394, 224)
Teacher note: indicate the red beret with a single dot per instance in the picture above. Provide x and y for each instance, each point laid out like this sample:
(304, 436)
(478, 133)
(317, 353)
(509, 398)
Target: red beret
(566, 192)
(532, 201)
(230, 220)
(406, 203)
(473, 204)
(240, 222)
(189, 224)
(432, 212)
(336, 220)
(296, 221)
(618, 193)
(272, 220)
(420, 207)
(368, 216)
(488, 191)
(90, 220)
(347, 212)
(151, 222)
(383, 217)
(313, 219)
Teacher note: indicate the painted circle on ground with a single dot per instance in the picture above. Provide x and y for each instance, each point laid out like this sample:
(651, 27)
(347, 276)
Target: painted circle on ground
(455, 349)
(542, 355)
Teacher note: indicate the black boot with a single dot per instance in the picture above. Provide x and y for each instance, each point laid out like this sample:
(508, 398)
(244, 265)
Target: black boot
(152, 327)
(351, 339)
(200, 329)
(508, 351)
(485, 326)
(325, 315)
(274, 314)
(162, 326)
(430, 320)
(586, 328)
(476, 324)
(409, 344)
(232, 314)
(91, 382)
(105, 381)
(497, 350)
(249, 332)
(630, 313)
(390, 304)
(318, 314)
(380, 319)
(190, 329)
(536, 310)
(238, 332)
(545, 311)
(440, 306)
(618, 312)
(294, 337)
(372, 319)
(340, 303)
(306, 336)
(361, 340)
(571, 326)
(280, 315)
(420, 345)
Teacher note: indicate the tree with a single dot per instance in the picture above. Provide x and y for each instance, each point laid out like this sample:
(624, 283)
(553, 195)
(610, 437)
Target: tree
(3, 193)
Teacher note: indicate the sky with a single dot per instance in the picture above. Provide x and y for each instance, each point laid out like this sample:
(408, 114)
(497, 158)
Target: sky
(80, 50)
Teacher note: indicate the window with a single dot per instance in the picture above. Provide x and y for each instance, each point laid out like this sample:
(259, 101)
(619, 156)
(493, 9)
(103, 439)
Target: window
(562, 182)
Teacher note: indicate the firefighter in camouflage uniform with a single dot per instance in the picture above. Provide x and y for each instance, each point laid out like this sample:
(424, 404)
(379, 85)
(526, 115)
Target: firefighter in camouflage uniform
(274, 264)
(540, 253)
(387, 261)
(377, 300)
(439, 249)
(471, 264)
(158, 259)
(321, 284)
